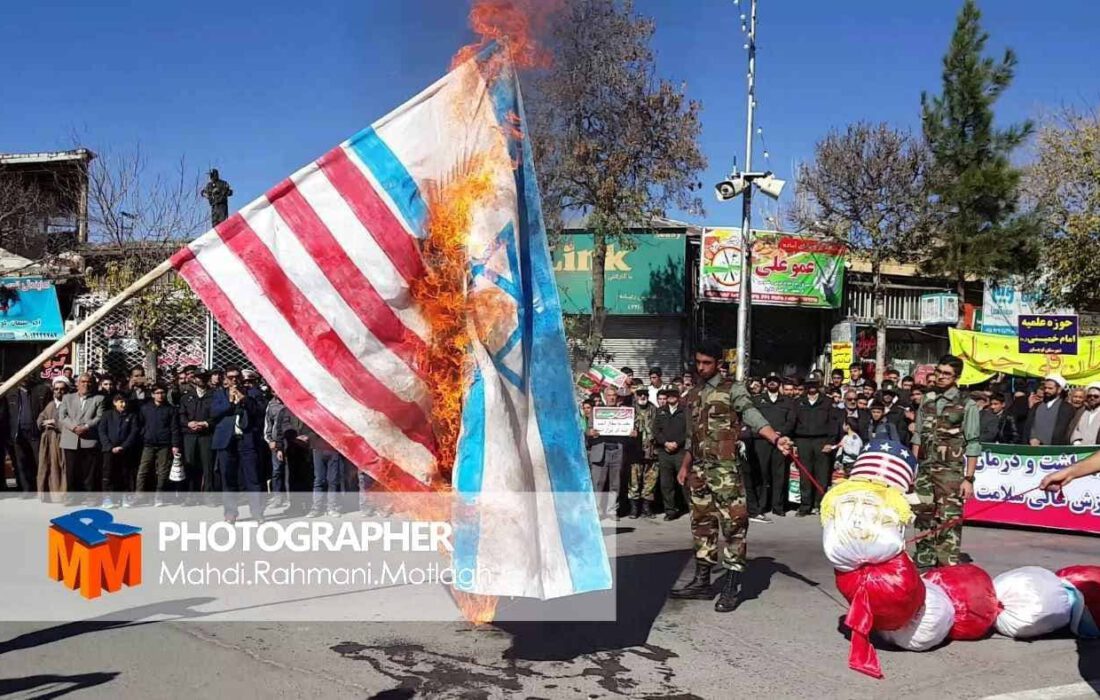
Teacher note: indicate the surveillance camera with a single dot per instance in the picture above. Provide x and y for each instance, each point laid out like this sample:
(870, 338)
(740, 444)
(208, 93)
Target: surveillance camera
(728, 189)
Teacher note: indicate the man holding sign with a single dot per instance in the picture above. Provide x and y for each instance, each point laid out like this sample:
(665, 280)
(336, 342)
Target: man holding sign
(711, 470)
(612, 430)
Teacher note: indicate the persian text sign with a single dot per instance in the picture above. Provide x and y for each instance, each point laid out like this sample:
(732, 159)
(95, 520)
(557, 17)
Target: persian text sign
(985, 354)
(1041, 334)
(29, 310)
(786, 270)
(1007, 470)
(645, 277)
(614, 421)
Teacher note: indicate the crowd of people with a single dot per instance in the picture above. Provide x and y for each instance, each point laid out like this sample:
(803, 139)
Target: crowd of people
(829, 421)
(196, 437)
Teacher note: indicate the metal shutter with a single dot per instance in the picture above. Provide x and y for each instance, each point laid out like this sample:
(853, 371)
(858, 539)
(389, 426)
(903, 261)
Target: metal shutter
(641, 342)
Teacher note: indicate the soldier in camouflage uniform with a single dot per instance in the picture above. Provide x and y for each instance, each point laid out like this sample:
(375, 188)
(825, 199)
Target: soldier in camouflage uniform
(712, 469)
(946, 442)
(642, 487)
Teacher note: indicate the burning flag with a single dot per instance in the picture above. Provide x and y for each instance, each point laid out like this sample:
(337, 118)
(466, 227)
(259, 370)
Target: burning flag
(398, 294)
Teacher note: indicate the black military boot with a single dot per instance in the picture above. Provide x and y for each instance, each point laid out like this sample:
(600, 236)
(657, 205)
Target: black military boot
(647, 509)
(731, 592)
(635, 508)
(697, 588)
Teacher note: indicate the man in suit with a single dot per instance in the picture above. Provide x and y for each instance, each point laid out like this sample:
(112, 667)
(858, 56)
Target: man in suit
(237, 431)
(766, 473)
(20, 434)
(1048, 420)
(197, 428)
(670, 438)
(1084, 429)
(79, 415)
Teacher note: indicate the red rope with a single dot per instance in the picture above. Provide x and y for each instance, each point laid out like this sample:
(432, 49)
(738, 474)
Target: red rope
(806, 472)
(977, 511)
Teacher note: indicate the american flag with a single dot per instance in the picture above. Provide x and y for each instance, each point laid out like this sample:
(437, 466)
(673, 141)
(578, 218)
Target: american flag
(313, 282)
(888, 462)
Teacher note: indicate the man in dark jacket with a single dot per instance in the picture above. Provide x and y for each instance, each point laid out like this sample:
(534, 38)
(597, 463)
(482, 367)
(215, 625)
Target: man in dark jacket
(195, 410)
(669, 437)
(119, 437)
(22, 408)
(816, 425)
(160, 438)
(997, 424)
(1048, 421)
(766, 474)
(238, 428)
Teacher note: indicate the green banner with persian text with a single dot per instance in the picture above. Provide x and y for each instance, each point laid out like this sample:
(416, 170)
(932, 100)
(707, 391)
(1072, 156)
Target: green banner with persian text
(646, 277)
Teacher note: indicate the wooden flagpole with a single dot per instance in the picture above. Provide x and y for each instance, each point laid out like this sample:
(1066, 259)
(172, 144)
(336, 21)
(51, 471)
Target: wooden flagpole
(147, 279)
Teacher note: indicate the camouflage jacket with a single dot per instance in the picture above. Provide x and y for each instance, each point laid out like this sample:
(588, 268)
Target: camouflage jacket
(643, 424)
(948, 427)
(715, 412)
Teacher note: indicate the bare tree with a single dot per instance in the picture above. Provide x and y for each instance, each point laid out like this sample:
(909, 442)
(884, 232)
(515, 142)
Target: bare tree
(866, 187)
(136, 219)
(1063, 185)
(25, 207)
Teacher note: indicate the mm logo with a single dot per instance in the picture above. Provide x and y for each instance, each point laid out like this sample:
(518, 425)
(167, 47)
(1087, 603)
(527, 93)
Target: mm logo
(90, 551)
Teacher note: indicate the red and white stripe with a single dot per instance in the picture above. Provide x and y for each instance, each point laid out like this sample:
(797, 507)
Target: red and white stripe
(878, 466)
(312, 280)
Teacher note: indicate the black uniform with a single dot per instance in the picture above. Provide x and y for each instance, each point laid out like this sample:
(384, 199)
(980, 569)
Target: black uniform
(198, 450)
(815, 425)
(766, 476)
(669, 427)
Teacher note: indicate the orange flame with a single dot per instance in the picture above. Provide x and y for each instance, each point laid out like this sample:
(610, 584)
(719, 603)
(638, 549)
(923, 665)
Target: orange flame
(514, 24)
(441, 292)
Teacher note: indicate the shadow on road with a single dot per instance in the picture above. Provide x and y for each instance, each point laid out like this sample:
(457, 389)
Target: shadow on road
(641, 587)
(47, 686)
(1088, 662)
(758, 577)
(124, 618)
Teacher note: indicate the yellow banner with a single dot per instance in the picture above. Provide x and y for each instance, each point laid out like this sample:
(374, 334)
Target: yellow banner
(842, 358)
(985, 354)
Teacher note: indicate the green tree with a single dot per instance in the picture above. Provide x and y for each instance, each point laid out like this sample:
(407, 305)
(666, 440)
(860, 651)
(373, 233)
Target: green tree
(1064, 185)
(976, 229)
(866, 188)
(613, 142)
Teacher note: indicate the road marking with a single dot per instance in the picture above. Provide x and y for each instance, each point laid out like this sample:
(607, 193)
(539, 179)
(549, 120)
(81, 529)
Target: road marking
(1054, 692)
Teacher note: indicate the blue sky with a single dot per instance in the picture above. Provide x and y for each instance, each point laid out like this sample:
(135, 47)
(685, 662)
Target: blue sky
(259, 89)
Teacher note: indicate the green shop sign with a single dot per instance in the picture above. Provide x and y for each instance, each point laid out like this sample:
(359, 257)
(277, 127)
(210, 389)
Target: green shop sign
(647, 278)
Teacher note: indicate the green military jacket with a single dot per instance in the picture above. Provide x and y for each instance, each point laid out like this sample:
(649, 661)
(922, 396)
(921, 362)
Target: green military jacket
(716, 410)
(948, 427)
(643, 425)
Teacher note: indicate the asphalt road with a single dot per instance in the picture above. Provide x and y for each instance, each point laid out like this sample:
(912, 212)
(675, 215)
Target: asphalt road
(785, 640)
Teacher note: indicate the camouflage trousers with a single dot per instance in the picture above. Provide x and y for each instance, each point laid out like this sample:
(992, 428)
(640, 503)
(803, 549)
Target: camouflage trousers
(718, 505)
(937, 487)
(643, 481)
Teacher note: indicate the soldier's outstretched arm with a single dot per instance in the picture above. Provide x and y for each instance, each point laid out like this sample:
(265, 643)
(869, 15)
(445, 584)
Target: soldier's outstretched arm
(752, 417)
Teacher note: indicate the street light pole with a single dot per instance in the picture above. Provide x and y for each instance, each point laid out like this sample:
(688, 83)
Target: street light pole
(744, 304)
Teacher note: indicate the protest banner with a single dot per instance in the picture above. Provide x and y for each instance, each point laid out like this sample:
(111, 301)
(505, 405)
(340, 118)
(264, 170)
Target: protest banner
(1009, 470)
(841, 358)
(613, 421)
(986, 354)
(787, 270)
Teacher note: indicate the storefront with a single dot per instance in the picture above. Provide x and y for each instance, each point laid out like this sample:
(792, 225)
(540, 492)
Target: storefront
(644, 294)
(798, 283)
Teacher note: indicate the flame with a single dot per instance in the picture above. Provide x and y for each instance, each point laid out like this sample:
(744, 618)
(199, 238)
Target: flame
(441, 292)
(441, 295)
(511, 23)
